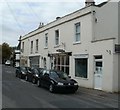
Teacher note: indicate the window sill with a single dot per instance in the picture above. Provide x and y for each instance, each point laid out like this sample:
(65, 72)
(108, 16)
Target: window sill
(81, 78)
(45, 47)
(75, 43)
(56, 46)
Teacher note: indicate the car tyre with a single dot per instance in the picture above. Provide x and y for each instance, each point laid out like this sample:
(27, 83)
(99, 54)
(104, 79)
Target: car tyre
(38, 83)
(51, 88)
(16, 75)
(26, 78)
(33, 80)
(20, 76)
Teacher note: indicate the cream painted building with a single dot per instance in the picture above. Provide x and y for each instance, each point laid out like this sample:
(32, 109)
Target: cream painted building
(84, 44)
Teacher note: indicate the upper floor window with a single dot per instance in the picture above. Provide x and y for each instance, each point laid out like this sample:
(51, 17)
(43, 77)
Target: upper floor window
(77, 32)
(46, 40)
(36, 45)
(31, 46)
(22, 46)
(57, 37)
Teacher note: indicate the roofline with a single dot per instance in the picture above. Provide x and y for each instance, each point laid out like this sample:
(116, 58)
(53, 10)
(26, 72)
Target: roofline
(57, 25)
(99, 5)
(57, 20)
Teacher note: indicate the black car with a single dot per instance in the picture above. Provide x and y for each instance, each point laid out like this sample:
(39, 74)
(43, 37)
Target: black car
(22, 71)
(35, 74)
(57, 81)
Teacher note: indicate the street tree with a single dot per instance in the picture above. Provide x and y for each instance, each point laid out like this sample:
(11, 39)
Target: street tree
(6, 51)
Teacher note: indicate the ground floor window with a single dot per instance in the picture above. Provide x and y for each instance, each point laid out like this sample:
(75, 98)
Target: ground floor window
(34, 61)
(81, 67)
(61, 63)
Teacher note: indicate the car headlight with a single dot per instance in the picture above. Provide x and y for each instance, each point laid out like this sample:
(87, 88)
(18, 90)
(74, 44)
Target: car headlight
(36, 75)
(75, 83)
(60, 83)
(23, 72)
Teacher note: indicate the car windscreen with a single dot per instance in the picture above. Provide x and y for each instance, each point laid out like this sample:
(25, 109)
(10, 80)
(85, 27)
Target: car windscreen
(56, 74)
(62, 75)
(40, 70)
(23, 69)
(36, 71)
(28, 69)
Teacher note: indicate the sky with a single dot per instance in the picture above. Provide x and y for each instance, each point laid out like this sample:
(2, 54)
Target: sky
(19, 17)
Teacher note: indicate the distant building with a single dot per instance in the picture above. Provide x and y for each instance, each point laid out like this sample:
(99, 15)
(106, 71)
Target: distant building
(84, 44)
(17, 54)
(17, 58)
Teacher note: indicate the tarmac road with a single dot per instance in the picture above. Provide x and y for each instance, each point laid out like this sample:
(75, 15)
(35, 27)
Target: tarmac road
(17, 93)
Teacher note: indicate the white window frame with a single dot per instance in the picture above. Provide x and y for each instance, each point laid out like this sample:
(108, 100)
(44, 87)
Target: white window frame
(57, 37)
(82, 56)
(31, 47)
(76, 40)
(37, 45)
(46, 40)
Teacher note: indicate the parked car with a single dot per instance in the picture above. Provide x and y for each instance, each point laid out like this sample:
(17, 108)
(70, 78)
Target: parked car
(22, 71)
(7, 63)
(32, 76)
(57, 81)
(35, 74)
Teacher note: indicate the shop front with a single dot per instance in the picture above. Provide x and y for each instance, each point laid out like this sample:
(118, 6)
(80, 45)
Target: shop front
(60, 61)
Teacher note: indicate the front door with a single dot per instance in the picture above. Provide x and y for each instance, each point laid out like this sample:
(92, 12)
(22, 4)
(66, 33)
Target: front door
(98, 75)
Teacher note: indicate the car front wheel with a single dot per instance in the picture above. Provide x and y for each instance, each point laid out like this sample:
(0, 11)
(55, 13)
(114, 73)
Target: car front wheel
(16, 75)
(26, 78)
(51, 88)
(33, 81)
(38, 83)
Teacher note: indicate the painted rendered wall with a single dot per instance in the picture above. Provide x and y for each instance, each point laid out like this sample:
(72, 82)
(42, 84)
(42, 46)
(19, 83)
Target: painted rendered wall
(95, 49)
(107, 21)
(116, 68)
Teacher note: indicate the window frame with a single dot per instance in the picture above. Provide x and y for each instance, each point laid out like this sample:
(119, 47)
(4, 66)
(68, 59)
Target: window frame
(46, 40)
(86, 70)
(31, 51)
(37, 45)
(57, 37)
(76, 40)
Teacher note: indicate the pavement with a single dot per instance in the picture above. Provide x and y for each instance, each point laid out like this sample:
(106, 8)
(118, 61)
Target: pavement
(99, 93)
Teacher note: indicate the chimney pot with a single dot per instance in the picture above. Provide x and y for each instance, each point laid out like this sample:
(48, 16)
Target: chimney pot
(57, 18)
(41, 25)
(89, 2)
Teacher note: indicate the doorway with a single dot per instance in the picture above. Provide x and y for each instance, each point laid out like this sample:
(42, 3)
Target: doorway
(98, 73)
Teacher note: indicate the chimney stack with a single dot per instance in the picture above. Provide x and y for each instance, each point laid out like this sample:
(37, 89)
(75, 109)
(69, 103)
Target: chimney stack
(41, 25)
(89, 2)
